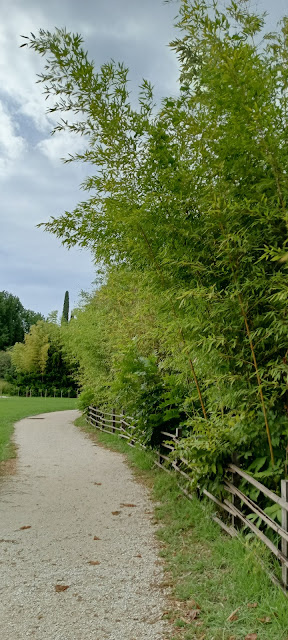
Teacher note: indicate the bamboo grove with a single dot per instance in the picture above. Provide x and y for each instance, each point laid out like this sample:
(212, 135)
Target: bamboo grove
(185, 209)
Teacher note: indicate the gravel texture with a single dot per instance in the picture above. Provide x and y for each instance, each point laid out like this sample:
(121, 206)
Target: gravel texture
(57, 529)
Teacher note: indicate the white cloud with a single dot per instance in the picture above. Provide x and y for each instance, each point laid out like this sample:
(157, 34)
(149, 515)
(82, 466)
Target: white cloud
(60, 146)
(12, 146)
(19, 67)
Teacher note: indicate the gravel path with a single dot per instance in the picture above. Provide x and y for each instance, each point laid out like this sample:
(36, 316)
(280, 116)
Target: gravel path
(57, 529)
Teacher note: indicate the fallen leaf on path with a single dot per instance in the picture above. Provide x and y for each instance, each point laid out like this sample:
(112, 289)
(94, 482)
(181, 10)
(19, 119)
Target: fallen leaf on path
(93, 562)
(251, 636)
(61, 587)
(127, 504)
(138, 555)
(98, 483)
(195, 613)
(265, 619)
(28, 526)
(252, 605)
(115, 513)
(96, 538)
(233, 615)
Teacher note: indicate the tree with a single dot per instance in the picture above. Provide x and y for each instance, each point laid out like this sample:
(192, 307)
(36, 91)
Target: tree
(191, 202)
(11, 320)
(5, 363)
(39, 361)
(31, 356)
(30, 318)
(65, 312)
(14, 319)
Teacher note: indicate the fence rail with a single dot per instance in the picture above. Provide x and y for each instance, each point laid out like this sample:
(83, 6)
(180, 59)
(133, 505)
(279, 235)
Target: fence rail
(239, 503)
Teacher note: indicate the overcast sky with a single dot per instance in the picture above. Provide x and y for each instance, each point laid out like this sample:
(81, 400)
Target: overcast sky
(34, 183)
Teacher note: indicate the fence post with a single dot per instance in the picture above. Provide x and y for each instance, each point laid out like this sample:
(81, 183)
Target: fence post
(61, 393)
(30, 393)
(235, 522)
(113, 420)
(284, 544)
(122, 426)
(178, 433)
(45, 393)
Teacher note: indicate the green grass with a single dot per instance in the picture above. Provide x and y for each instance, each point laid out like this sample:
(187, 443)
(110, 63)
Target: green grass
(14, 408)
(204, 566)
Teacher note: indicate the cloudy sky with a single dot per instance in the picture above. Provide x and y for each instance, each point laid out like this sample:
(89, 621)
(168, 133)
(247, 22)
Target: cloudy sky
(34, 183)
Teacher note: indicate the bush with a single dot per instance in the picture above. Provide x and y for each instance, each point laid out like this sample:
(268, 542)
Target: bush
(85, 399)
(8, 389)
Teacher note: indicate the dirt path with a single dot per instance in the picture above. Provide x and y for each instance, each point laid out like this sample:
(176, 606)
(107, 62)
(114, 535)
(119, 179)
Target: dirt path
(65, 490)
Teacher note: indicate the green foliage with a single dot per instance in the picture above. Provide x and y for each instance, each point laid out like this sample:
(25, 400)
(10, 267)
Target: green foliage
(5, 363)
(14, 320)
(186, 210)
(39, 362)
(85, 400)
(65, 312)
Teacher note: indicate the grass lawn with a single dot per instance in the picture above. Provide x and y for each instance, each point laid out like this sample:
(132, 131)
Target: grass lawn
(14, 408)
(219, 590)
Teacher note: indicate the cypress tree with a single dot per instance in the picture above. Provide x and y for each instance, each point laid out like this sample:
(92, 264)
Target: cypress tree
(65, 312)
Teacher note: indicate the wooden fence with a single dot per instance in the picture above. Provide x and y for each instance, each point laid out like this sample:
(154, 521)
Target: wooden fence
(46, 393)
(240, 505)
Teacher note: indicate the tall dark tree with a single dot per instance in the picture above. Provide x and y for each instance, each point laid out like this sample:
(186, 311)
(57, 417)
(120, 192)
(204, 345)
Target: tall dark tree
(29, 318)
(65, 312)
(14, 320)
(11, 320)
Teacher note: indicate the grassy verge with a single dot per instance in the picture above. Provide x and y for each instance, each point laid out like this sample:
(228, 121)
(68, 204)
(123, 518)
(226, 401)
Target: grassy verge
(14, 408)
(219, 590)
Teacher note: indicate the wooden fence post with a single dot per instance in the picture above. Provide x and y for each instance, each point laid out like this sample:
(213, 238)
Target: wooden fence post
(284, 544)
(113, 420)
(235, 522)
(178, 433)
(122, 426)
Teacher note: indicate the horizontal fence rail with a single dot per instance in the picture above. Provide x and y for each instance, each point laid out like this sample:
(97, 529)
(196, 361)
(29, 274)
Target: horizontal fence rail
(239, 507)
(112, 423)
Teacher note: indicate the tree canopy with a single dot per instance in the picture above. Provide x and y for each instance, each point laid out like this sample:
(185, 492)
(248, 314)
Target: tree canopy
(186, 209)
(14, 319)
